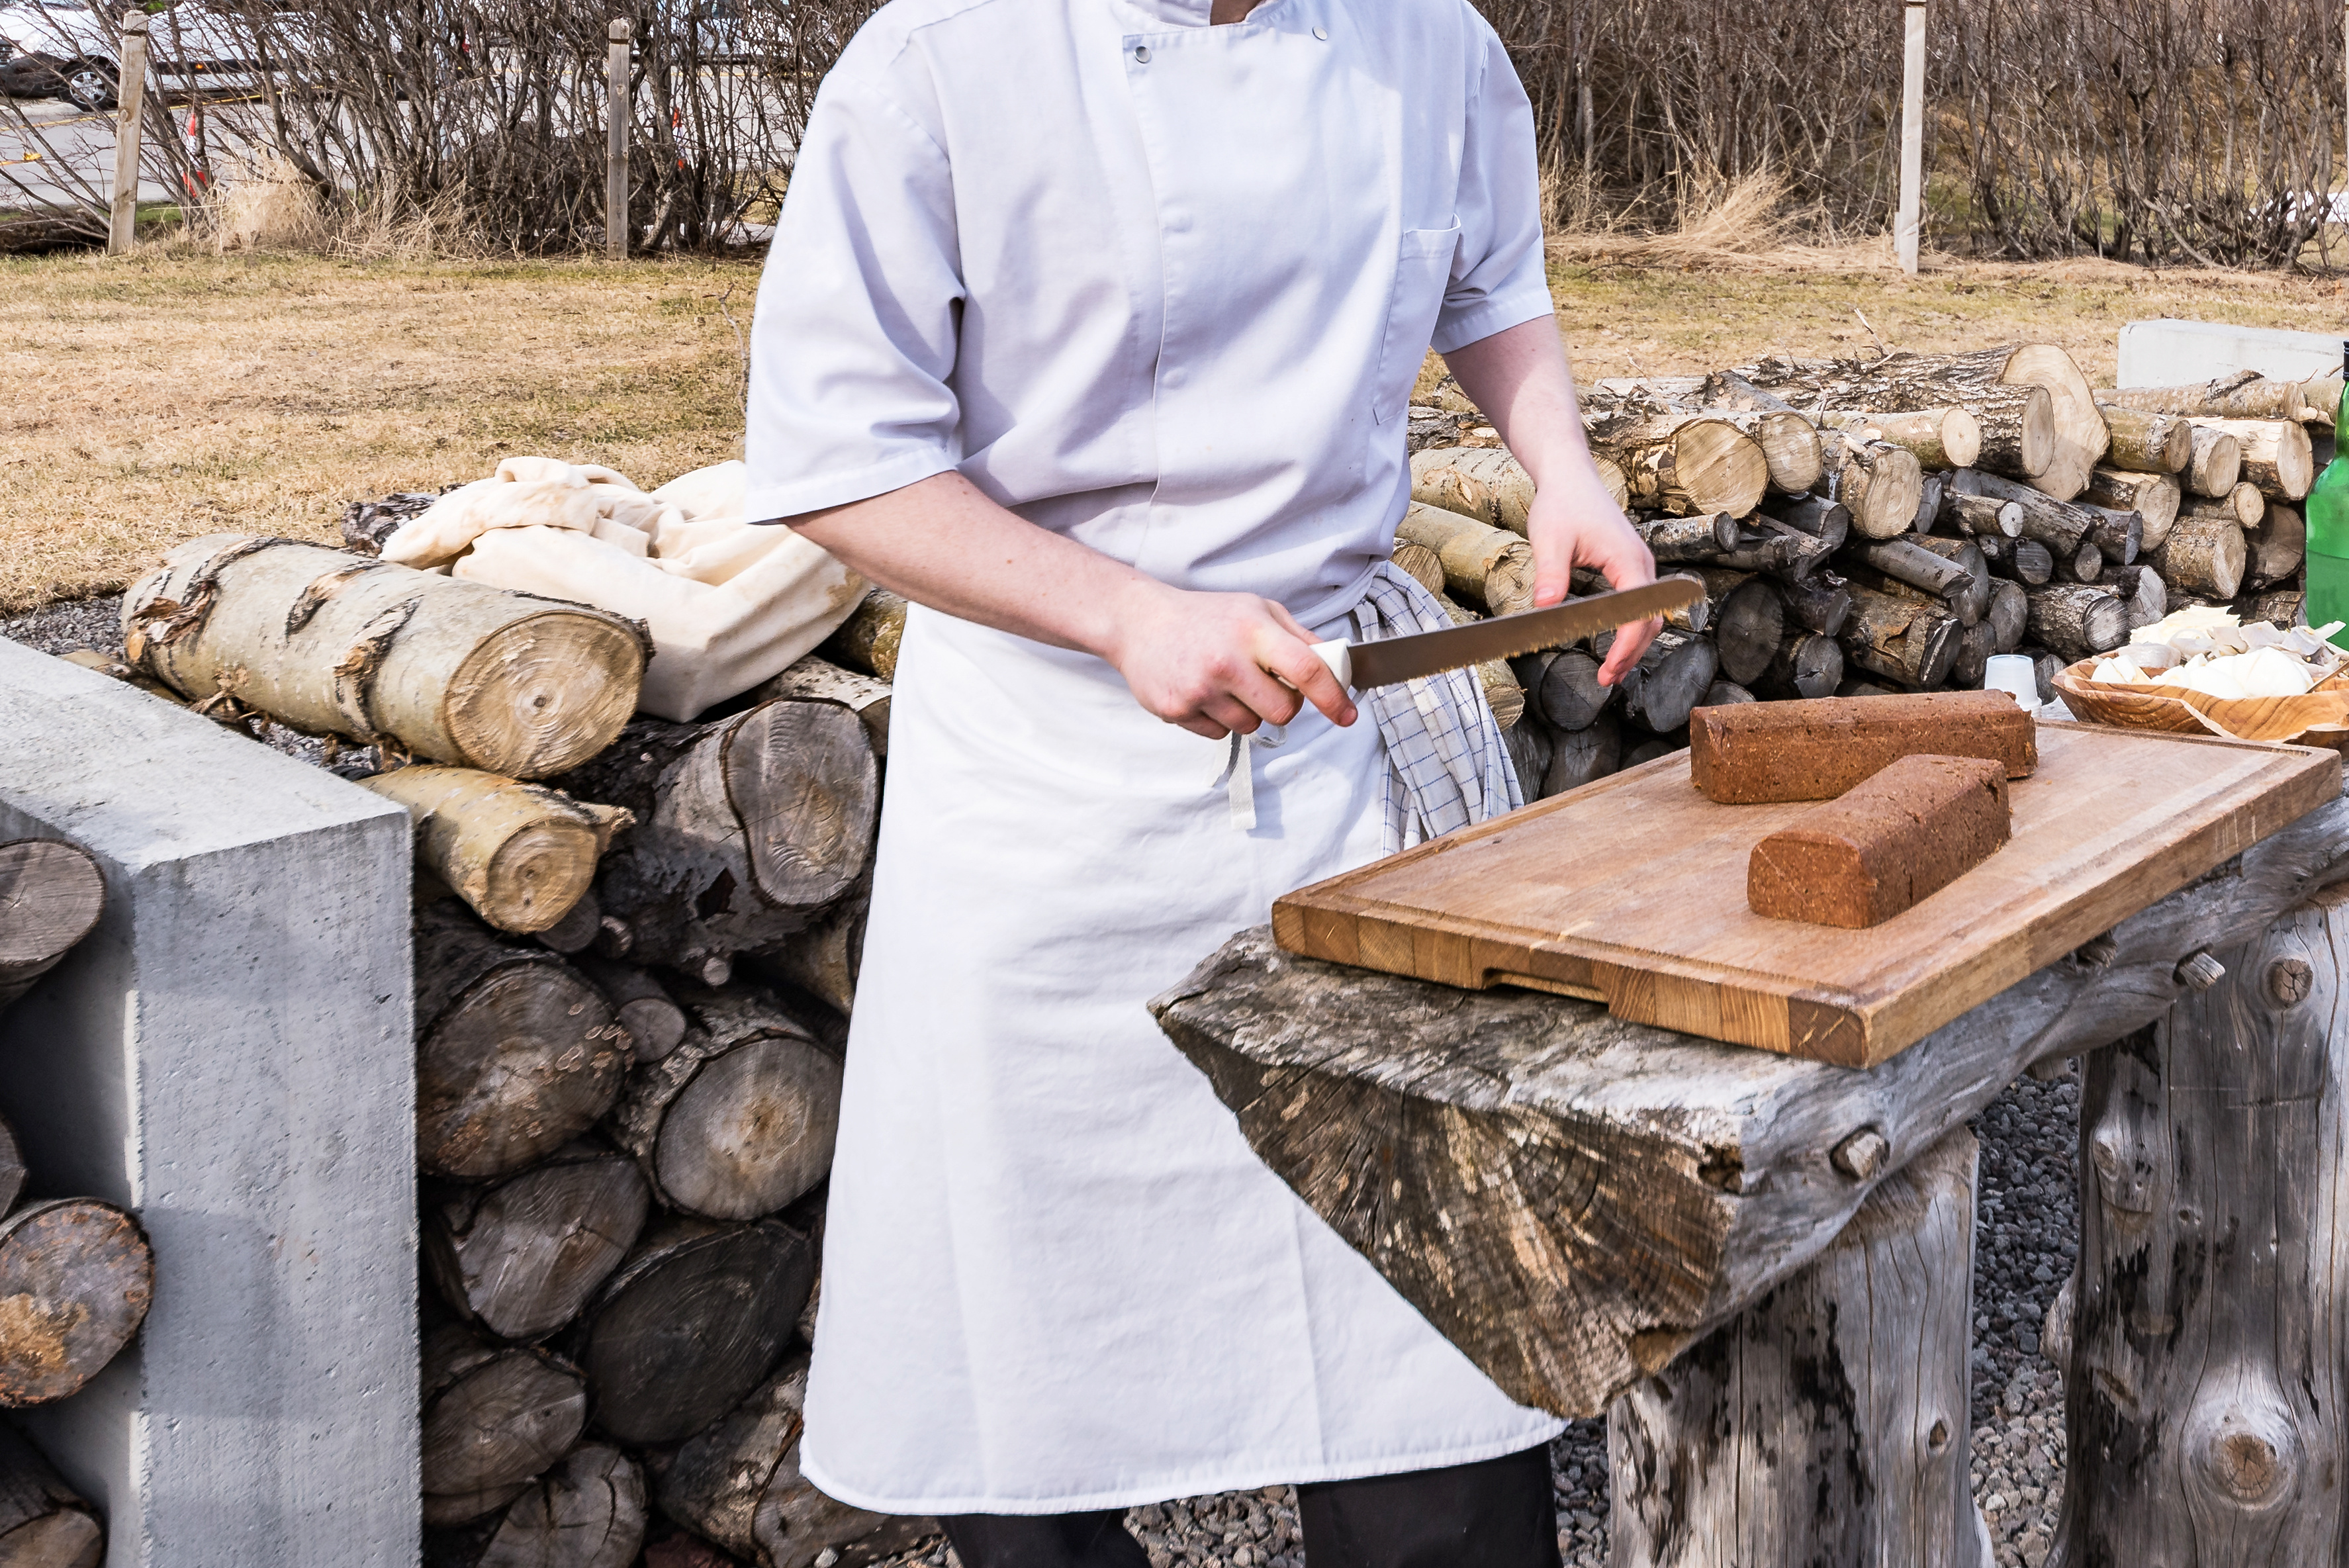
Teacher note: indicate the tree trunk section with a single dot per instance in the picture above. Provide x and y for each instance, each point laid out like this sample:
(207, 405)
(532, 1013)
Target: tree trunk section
(692, 1322)
(520, 854)
(2008, 615)
(2077, 620)
(2216, 464)
(50, 897)
(1828, 1422)
(589, 1512)
(2210, 1355)
(867, 641)
(1685, 463)
(1483, 565)
(1748, 624)
(2146, 442)
(1670, 680)
(1805, 665)
(2203, 557)
(1976, 644)
(1828, 522)
(2023, 561)
(76, 1278)
(521, 1257)
(866, 696)
(1700, 538)
(1816, 607)
(1901, 640)
(2277, 455)
(740, 1119)
(2243, 396)
(1939, 438)
(1969, 604)
(1967, 512)
(1879, 483)
(494, 1416)
(516, 1055)
(2280, 548)
(655, 1023)
(1482, 483)
(334, 644)
(825, 960)
(2059, 525)
(1993, 385)
(1570, 697)
(738, 1484)
(2154, 498)
(43, 1522)
(1580, 756)
(746, 829)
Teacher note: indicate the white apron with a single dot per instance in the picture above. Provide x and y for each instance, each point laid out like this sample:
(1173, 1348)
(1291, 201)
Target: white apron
(1163, 288)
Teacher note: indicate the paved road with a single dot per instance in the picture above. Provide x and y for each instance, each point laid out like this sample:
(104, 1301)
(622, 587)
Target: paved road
(62, 137)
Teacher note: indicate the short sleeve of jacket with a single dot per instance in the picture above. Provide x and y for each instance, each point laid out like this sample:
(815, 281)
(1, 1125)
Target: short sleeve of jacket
(1498, 274)
(854, 332)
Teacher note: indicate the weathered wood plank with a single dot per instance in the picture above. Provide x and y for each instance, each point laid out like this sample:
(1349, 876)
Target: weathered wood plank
(1571, 1198)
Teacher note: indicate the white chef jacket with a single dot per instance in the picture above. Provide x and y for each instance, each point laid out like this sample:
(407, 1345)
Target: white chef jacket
(1164, 288)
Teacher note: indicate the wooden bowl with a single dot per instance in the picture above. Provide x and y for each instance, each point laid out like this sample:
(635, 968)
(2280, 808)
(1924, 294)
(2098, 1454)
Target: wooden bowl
(2320, 718)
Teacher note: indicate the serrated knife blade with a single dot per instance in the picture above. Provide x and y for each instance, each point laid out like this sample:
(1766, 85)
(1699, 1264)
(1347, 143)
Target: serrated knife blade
(1393, 659)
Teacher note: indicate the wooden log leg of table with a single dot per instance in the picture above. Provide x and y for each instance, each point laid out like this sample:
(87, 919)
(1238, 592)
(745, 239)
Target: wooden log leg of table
(2209, 1349)
(1825, 1423)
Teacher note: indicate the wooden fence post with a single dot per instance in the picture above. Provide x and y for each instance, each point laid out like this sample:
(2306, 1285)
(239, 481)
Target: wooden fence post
(131, 102)
(1912, 138)
(615, 145)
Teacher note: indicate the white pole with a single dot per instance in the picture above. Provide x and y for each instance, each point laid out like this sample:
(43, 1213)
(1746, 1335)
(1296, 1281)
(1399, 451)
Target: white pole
(129, 100)
(615, 145)
(1912, 138)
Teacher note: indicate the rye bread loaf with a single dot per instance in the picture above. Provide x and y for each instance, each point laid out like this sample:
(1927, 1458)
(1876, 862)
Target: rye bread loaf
(1749, 754)
(1888, 843)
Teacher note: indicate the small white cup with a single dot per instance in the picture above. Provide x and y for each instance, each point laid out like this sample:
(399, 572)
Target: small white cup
(2015, 675)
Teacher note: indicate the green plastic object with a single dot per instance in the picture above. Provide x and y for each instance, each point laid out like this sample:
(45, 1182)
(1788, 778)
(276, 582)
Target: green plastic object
(2328, 526)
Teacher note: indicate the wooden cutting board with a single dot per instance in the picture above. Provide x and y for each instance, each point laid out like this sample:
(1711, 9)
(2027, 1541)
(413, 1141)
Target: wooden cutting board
(1631, 891)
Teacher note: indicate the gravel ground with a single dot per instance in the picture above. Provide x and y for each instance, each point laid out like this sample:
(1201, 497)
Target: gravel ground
(61, 628)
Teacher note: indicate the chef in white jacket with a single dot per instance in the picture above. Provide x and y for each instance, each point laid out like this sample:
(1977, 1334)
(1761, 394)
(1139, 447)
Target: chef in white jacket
(1089, 327)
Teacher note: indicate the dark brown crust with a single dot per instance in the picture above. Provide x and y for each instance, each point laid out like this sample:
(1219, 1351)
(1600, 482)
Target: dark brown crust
(1754, 753)
(1906, 833)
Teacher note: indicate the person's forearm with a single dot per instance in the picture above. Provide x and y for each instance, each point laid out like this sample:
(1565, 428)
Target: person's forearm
(944, 544)
(1520, 378)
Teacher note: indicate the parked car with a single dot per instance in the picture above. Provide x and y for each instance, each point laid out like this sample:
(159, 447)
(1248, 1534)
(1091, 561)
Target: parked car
(67, 49)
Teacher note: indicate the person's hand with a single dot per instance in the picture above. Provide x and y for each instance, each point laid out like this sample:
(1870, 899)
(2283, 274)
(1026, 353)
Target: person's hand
(1207, 661)
(1576, 523)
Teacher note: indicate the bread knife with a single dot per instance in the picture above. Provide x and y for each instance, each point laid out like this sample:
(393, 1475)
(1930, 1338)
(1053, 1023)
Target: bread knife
(1390, 659)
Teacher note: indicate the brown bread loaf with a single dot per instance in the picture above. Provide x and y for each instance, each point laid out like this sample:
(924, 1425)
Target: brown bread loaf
(1816, 748)
(1887, 843)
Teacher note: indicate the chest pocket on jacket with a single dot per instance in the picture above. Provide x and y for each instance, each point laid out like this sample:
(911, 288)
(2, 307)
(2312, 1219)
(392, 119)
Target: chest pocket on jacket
(1422, 272)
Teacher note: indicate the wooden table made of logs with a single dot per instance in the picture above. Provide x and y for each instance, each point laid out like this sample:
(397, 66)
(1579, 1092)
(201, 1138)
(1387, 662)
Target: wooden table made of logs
(1759, 1267)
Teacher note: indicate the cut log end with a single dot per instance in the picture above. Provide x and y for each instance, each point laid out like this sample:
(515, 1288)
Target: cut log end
(76, 1278)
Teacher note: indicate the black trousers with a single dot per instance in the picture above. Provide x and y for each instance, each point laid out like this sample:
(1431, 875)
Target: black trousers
(1493, 1514)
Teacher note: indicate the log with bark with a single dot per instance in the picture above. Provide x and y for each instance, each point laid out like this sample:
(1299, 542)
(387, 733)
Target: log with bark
(2076, 620)
(1670, 680)
(495, 1415)
(589, 1512)
(2277, 455)
(1969, 604)
(1993, 384)
(747, 829)
(520, 854)
(2059, 525)
(2023, 561)
(1828, 522)
(1529, 748)
(867, 641)
(825, 959)
(76, 1279)
(2117, 535)
(2154, 498)
(2244, 503)
(1502, 693)
(1749, 621)
(2203, 556)
(2216, 464)
(521, 1257)
(1879, 483)
(1483, 566)
(1807, 663)
(43, 1522)
(334, 644)
(1828, 1422)
(1789, 443)
(1683, 463)
(50, 897)
(1489, 484)
(2009, 614)
(1939, 438)
(2144, 596)
(2243, 394)
(1579, 756)
(575, 934)
(1816, 605)
(2279, 548)
(738, 1484)
(738, 1121)
(2288, 608)
(1419, 563)
(1970, 512)
(2147, 442)
(516, 1055)
(1705, 537)
(1976, 643)
(1901, 640)
(694, 1321)
(1570, 697)
(866, 696)
(654, 1021)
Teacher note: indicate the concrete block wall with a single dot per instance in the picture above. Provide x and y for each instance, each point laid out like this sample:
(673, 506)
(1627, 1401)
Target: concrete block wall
(230, 1056)
(2177, 353)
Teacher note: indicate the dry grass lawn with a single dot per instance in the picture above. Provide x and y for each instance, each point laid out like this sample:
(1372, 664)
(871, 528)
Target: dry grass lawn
(169, 395)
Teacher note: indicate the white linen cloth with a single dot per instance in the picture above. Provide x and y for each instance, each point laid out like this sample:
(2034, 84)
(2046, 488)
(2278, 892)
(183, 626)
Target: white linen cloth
(728, 605)
(1163, 288)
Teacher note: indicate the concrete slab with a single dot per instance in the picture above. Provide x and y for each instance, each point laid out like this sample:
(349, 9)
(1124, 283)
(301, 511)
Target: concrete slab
(229, 1055)
(2178, 353)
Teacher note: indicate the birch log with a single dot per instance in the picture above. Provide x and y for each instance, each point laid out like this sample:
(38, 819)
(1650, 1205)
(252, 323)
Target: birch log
(738, 1121)
(520, 854)
(334, 644)
(866, 696)
(694, 1321)
(2154, 498)
(2216, 463)
(2147, 442)
(738, 1484)
(747, 828)
(494, 1416)
(43, 1522)
(2246, 395)
(521, 1257)
(1970, 513)
(1670, 680)
(1685, 463)
(50, 897)
(1419, 563)
(2023, 561)
(589, 1512)
(825, 960)
(1579, 756)
(1749, 621)
(2009, 614)
(1827, 1423)
(2277, 455)
(2203, 556)
(1490, 485)
(655, 1023)
(867, 641)
(1483, 565)
(1879, 483)
(516, 1055)
(2278, 549)
(1939, 438)
(2076, 620)
(1789, 443)
(1805, 664)
(1570, 697)
(1494, 677)
(1971, 603)
(1901, 640)
(76, 1278)
(2203, 1402)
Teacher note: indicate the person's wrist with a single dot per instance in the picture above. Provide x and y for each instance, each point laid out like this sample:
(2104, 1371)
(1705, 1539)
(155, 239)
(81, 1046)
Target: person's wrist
(1130, 606)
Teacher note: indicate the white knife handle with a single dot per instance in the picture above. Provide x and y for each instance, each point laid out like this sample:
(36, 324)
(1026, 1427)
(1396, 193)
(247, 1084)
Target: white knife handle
(1338, 654)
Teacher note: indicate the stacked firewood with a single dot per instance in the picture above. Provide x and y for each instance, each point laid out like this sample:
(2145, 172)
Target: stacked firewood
(1871, 527)
(76, 1274)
